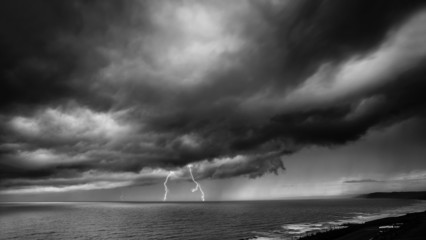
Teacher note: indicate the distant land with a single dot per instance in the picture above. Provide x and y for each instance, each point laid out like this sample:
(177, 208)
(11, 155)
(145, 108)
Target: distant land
(398, 195)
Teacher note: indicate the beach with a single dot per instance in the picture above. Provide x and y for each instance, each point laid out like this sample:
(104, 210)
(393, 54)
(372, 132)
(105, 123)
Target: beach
(410, 226)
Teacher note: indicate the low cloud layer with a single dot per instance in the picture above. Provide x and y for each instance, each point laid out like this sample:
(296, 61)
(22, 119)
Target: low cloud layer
(106, 94)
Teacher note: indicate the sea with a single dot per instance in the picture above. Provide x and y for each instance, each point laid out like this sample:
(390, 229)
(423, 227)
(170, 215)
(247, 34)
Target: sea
(284, 219)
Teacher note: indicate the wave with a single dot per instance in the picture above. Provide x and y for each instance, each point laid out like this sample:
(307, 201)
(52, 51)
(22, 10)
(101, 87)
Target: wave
(297, 230)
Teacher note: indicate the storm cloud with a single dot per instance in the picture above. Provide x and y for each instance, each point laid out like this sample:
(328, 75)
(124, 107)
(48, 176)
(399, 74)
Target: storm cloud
(106, 94)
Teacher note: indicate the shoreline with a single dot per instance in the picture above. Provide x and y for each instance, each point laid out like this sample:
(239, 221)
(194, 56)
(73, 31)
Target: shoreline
(408, 226)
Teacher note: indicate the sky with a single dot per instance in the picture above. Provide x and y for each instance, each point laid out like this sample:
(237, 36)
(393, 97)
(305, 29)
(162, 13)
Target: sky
(263, 99)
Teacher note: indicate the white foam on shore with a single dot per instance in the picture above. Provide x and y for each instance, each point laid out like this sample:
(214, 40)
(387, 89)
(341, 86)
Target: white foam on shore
(296, 230)
(420, 206)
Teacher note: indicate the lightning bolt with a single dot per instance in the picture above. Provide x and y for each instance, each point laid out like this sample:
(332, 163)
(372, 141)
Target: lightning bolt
(166, 190)
(198, 186)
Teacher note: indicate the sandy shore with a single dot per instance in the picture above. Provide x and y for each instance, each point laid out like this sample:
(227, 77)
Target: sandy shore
(410, 226)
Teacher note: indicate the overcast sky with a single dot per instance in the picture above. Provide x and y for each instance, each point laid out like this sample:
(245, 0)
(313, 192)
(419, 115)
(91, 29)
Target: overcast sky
(101, 100)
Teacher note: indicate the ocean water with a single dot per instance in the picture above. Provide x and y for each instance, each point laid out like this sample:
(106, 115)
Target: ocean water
(287, 219)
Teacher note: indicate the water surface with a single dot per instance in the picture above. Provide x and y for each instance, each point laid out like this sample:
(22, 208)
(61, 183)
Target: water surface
(194, 220)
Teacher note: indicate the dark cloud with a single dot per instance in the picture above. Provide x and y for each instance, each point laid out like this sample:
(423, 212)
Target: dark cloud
(339, 124)
(362, 181)
(119, 87)
(48, 53)
(250, 166)
(332, 30)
